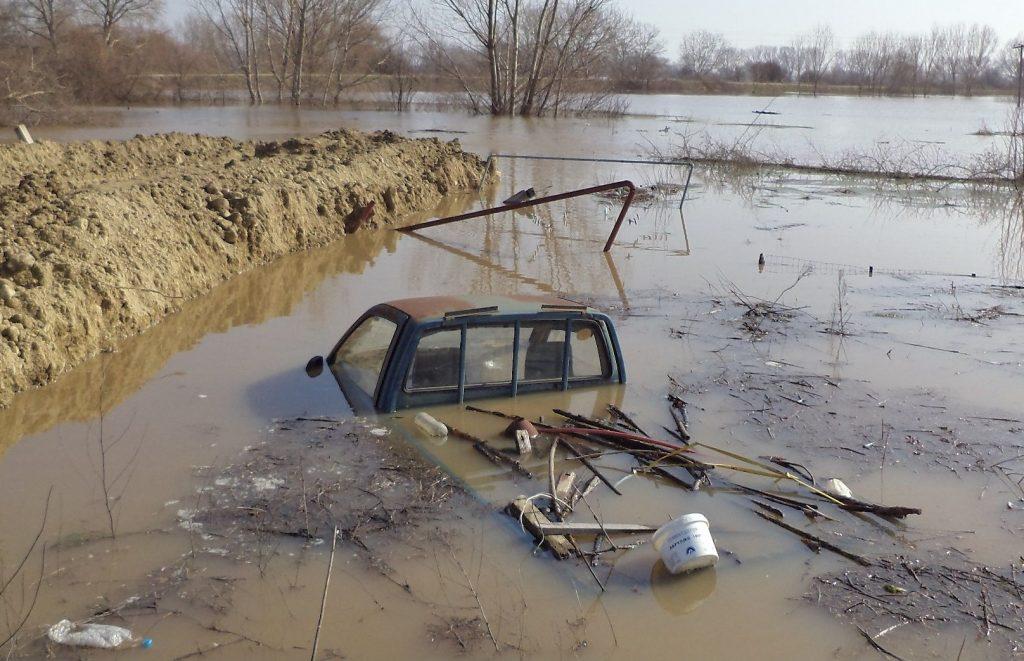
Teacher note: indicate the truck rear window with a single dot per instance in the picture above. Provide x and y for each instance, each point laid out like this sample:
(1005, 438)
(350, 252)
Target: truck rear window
(542, 348)
(490, 349)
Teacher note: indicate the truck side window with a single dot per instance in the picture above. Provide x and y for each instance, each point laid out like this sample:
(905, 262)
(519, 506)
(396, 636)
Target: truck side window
(361, 357)
(435, 364)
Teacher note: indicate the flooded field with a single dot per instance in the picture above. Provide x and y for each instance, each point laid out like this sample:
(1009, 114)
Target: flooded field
(805, 128)
(904, 381)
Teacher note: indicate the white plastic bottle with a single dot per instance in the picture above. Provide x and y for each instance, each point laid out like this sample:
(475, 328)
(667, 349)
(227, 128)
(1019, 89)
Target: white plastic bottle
(430, 425)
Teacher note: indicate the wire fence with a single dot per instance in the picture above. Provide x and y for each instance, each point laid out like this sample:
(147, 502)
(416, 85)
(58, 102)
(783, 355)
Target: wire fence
(783, 264)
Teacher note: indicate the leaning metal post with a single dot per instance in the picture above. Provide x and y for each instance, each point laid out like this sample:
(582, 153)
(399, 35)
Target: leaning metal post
(628, 185)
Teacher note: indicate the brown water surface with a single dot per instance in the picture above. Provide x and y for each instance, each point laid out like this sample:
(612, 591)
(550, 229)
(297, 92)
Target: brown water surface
(196, 390)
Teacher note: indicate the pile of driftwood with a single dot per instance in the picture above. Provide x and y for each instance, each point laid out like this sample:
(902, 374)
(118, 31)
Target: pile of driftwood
(682, 462)
(943, 590)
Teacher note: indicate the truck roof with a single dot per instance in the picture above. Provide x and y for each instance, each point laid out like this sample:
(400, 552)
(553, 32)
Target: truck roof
(435, 308)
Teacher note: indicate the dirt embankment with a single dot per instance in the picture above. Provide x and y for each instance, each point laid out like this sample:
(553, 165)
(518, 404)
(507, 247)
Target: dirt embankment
(101, 240)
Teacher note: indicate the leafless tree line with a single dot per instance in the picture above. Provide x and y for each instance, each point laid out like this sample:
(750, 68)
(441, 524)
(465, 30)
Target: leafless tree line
(501, 57)
(319, 47)
(88, 51)
(956, 59)
(56, 52)
(504, 57)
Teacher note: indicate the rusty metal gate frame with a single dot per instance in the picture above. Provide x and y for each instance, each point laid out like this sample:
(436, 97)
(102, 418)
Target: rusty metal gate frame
(628, 185)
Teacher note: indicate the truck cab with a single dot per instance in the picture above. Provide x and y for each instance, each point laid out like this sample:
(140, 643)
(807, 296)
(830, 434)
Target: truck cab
(419, 352)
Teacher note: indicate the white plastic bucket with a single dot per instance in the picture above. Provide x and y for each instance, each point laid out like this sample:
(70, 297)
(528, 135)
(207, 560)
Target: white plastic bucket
(685, 544)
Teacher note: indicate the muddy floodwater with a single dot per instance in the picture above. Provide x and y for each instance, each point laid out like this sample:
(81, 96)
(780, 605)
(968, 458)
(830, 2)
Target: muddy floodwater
(939, 130)
(897, 365)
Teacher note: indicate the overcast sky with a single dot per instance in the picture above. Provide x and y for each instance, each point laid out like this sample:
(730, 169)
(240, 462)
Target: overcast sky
(775, 22)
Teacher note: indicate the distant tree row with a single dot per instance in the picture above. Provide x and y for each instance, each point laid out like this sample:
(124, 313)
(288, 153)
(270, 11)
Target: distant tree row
(501, 57)
(956, 59)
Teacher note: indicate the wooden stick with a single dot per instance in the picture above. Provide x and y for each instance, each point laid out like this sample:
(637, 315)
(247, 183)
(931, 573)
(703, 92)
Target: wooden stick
(854, 505)
(671, 477)
(593, 469)
(548, 429)
(476, 596)
(323, 599)
(874, 643)
(680, 424)
(825, 544)
(496, 457)
(591, 485)
(497, 414)
(678, 403)
(597, 519)
(555, 505)
(564, 486)
(573, 528)
(522, 509)
(806, 508)
(625, 418)
(587, 562)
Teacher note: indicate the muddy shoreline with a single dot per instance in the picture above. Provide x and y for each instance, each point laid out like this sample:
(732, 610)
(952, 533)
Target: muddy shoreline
(102, 240)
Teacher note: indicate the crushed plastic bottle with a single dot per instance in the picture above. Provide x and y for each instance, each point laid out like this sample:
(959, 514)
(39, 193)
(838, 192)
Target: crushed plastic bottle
(105, 636)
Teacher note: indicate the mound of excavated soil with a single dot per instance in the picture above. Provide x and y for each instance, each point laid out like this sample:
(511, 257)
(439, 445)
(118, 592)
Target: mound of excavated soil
(100, 240)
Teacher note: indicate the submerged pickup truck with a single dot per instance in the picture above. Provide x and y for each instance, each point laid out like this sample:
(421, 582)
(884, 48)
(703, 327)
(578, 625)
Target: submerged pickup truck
(419, 352)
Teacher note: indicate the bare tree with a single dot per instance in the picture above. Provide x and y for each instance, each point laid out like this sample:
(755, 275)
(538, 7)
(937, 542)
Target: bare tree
(951, 56)
(110, 13)
(955, 59)
(476, 26)
(702, 53)
(278, 21)
(1007, 60)
(934, 46)
(819, 53)
(913, 53)
(353, 28)
(303, 23)
(402, 78)
(979, 45)
(635, 55)
(538, 51)
(27, 85)
(235, 22)
(45, 18)
(536, 56)
(765, 64)
(798, 51)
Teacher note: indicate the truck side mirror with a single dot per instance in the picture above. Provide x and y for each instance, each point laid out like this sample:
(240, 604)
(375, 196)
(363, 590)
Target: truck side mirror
(315, 366)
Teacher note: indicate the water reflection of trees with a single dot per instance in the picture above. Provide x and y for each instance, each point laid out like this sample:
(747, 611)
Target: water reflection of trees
(1011, 241)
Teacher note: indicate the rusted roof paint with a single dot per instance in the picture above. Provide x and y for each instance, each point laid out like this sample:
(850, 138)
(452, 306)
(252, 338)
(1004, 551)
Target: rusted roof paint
(434, 307)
